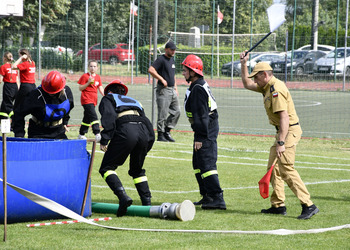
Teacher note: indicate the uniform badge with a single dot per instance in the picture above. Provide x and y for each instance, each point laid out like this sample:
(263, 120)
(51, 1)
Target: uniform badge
(275, 94)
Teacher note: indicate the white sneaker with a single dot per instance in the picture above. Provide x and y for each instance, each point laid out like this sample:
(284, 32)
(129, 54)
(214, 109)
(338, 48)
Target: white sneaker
(82, 137)
(98, 137)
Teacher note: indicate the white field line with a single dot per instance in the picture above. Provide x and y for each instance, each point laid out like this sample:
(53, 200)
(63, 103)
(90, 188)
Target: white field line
(247, 151)
(254, 159)
(325, 157)
(265, 160)
(251, 164)
(233, 188)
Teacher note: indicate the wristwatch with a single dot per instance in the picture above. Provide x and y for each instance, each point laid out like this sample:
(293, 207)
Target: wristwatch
(281, 143)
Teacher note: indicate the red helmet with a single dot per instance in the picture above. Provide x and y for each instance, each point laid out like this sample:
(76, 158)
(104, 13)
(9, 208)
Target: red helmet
(195, 63)
(116, 82)
(53, 82)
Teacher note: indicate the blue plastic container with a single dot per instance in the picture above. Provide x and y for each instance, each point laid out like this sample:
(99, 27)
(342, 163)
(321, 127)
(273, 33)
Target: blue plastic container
(55, 169)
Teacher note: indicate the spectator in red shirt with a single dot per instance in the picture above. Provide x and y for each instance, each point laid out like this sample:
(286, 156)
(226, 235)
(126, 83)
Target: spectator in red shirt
(89, 83)
(26, 67)
(11, 84)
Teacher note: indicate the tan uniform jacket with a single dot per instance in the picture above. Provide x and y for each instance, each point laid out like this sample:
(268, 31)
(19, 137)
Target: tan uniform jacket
(277, 98)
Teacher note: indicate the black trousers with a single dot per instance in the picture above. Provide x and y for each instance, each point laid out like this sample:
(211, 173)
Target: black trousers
(130, 138)
(9, 93)
(204, 161)
(90, 116)
(23, 91)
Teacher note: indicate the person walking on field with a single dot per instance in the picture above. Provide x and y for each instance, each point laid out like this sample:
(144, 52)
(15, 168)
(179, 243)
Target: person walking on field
(163, 69)
(281, 112)
(50, 105)
(89, 83)
(26, 67)
(129, 133)
(10, 78)
(201, 110)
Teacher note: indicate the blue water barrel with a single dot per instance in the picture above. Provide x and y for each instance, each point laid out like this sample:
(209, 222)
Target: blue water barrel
(55, 169)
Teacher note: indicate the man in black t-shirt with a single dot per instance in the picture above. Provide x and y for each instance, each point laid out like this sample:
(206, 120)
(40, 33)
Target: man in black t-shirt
(163, 69)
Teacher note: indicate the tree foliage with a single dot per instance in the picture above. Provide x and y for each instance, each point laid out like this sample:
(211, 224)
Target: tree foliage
(12, 27)
(65, 20)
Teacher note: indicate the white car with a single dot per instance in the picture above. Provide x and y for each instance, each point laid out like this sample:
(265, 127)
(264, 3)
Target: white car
(59, 49)
(268, 57)
(319, 47)
(325, 64)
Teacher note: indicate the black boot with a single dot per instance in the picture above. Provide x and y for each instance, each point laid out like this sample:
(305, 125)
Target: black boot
(115, 184)
(202, 190)
(124, 201)
(216, 203)
(146, 201)
(308, 212)
(161, 137)
(167, 135)
(204, 200)
(144, 193)
(215, 192)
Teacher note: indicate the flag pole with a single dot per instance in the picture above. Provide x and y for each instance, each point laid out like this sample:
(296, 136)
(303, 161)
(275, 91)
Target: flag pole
(219, 20)
(132, 43)
(217, 49)
(5, 128)
(129, 34)
(258, 43)
(276, 17)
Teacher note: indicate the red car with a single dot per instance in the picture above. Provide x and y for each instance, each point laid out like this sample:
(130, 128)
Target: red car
(117, 53)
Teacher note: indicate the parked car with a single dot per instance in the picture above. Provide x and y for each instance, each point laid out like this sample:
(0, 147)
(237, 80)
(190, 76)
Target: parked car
(325, 65)
(227, 68)
(319, 47)
(267, 57)
(58, 49)
(306, 65)
(280, 66)
(255, 58)
(116, 53)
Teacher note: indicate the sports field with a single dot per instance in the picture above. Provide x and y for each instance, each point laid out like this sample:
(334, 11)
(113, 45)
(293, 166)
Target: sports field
(322, 163)
(322, 114)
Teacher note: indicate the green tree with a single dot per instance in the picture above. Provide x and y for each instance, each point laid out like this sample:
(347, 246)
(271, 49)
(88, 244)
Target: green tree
(25, 28)
(327, 21)
(71, 26)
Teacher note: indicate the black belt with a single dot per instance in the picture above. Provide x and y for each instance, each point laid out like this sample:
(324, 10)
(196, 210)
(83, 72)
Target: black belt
(47, 124)
(289, 125)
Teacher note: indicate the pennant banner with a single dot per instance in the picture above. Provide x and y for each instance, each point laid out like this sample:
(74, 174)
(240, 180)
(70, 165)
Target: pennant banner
(220, 16)
(276, 16)
(133, 9)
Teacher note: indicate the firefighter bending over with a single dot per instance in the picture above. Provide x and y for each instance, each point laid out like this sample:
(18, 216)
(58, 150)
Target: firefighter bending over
(129, 132)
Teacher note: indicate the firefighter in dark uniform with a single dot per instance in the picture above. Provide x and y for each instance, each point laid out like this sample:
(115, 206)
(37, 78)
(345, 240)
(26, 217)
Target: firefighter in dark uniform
(49, 105)
(281, 112)
(201, 110)
(129, 132)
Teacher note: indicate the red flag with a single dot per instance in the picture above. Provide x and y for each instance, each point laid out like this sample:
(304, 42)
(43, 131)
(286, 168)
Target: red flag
(133, 9)
(264, 183)
(220, 16)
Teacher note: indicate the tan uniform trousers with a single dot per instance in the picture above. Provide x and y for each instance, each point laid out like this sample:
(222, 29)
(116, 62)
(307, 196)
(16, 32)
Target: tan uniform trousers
(284, 171)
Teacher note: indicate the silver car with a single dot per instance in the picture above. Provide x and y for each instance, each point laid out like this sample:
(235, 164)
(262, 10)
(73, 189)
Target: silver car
(325, 65)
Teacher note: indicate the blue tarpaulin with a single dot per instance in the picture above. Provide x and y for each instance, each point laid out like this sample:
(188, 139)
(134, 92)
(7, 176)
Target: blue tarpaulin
(55, 169)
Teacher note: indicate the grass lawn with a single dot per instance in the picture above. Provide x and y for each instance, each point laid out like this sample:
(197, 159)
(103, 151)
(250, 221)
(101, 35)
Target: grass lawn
(323, 165)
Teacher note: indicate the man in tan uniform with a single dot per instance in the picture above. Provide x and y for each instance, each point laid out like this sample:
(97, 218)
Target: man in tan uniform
(280, 110)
